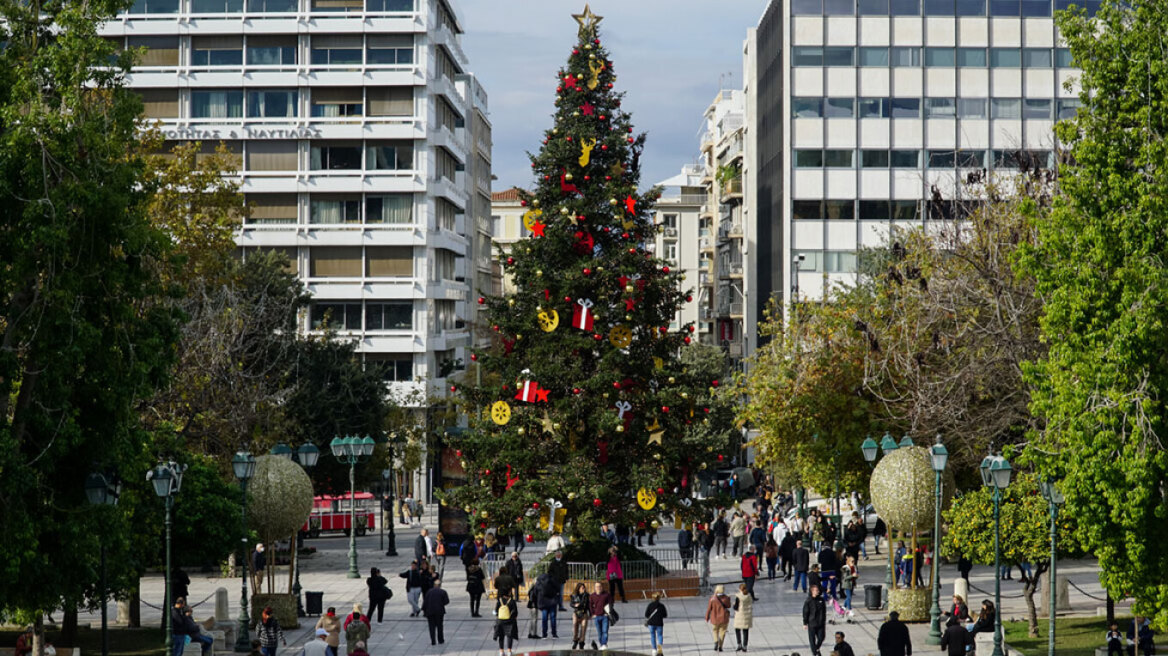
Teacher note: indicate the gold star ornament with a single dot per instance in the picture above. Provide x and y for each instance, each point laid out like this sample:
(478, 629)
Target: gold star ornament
(587, 20)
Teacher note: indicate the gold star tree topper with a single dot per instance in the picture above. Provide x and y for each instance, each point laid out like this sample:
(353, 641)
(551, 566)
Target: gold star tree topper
(587, 20)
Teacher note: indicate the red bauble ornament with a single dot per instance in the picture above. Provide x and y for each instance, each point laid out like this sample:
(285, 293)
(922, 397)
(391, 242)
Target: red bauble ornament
(630, 140)
(610, 85)
(510, 260)
(602, 147)
(713, 383)
(587, 178)
(624, 235)
(689, 299)
(719, 457)
(458, 452)
(568, 138)
(630, 129)
(487, 472)
(664, 269)
(495, 327)
(587, 271)
(596, 502)
(597, 41)
(664, 408)
(546, 177)
(608, 177)
(632, 251)
(575, 390)
(482, 300)
(535, 504)
(691, 329)
(707, 410)
(598, 337)
(567, 299)
(523, 203)
(453, 388)
(530, 538)
(575, 52)
(687, 340)
(545, 142)
(474, 357)
(482, 524)
(603, 117)
(616, 384)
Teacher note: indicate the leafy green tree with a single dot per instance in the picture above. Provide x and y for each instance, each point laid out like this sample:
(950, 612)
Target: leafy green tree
(584, 341)
(1100, 264)
(82, 336)
(1025, 533)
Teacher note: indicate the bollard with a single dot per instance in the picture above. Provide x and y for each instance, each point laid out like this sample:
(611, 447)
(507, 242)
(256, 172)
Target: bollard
(222, 613)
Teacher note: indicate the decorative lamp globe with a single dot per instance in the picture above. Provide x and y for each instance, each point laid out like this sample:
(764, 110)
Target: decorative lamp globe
(906, 441)
(888, 444)
(243, 465)
(97, 489)
(367, 445)
(308, 455)
(282, 450)
(337, 446)
(161, 478)
(940, 455)
(1001, 471)
(870, 448)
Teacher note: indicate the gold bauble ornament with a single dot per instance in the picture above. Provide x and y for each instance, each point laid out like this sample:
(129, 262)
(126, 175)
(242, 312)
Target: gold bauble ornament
(683, 276)
(660, 228)
(575, 114)
(592, 55)
(483, 514)
(588, 46)
(605, 395)
(629, 289)
(571, 495)
(555, 130)
(703, 466)
(600, 269)
(539, 273)
(672, 380)
(556, 425)
(511, 302)
(568, 177)
(613, 202)
(656, 456)
(902, 488)
(521, 430)
(518, 337)
(685, 395)
(466, 509)
(564, 211)
(709, 449)
(620, 428)
(628, 317)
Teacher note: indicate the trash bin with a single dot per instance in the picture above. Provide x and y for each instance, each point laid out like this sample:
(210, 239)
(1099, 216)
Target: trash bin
(872, 596)
(314, 602)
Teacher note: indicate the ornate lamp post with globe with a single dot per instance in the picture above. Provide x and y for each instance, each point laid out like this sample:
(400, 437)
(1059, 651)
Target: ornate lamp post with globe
(103, 489)
(1055, 498)
(940, 457)
(243, 466)
(350, 451)
(167, 480)
(995, 474)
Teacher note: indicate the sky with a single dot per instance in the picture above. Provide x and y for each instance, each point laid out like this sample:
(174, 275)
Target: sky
(671, 58)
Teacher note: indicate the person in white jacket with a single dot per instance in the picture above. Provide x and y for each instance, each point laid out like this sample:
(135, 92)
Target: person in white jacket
(779, 532)
(555, 543)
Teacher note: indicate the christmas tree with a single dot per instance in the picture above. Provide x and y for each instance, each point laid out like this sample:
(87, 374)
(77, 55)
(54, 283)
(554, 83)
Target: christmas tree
(584, 412)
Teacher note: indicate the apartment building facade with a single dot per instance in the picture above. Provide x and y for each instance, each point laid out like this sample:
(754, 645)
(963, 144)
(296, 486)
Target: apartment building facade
(677, 217)
(363, 146)
(869, 111)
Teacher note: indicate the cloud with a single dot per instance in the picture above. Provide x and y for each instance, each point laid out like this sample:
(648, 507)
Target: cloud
(668, 54)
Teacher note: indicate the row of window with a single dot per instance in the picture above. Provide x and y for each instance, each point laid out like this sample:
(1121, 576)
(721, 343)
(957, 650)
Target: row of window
(882, 210)
(143, 7)
(322, 102)
(967, 108)
(944, 57)
(394, 315)
(279, 51)
(1026, 8)
(832, 158)
(826, 261)
(346, 209)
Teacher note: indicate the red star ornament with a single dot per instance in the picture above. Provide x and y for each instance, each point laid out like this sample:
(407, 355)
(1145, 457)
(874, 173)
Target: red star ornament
(537, 229)
(570, 82)
(629, 303)
(587, 109)
(631, 205)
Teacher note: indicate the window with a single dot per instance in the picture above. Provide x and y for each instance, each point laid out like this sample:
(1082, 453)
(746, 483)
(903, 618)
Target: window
(442, 317)
(334, 262)
(217, 104)
(669, 221)
(271, 6)
(393, 368)
(337, 316)
(971, 108)
(808, 159)
(874, 159)
(331, 210)
(905, 7)
(1037, 58)
(216, 51)
(839, 159)
(390, 49)
(1005, 8)
(941, 159)
(939, 57)
(904, 210)
(839, 262)
(159, 103)
(337, 5)
(1068, 107)
(1038, 108)
(1062, 58)
(839, 7)
(839, 56)
(445, 213)
(1007, 159)
(807, 56)
(1005, 108)
(216, 6)
(155, 50)
(154, 7)
(1035, 8)
(389, 5)
(971, 7)
(839, 210)
(389, 262)
(807, 7)
(904, 159)
(807, 107)
(874, 108)
(390, 101)
(874, 210)
(442, 265)
(905, 107)
(270, 103)
(940, 108)
(447, 116)
(969, 159)
(839, 108)
(939, 7)
(271, 51)
(873, 7)
(446, 166)
(810, 261)
(335, 157)
(873, 56)
(273, 209)
(904, 56)
(390, 208)
(263, 155)
(1005, 57)
(446, 66)
(971, 57)
(806, 209)
(389, 316)
(335, 102)
(336, 49)
(671, 252)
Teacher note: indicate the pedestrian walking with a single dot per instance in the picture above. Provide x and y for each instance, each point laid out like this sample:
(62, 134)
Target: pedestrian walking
(423, 547)
(956, 639)
(506, 621)
(434, 608)
(357, 629)
(749, 570)
(504, 582)
(475, 586)
(440, 555)
(801, 558)
(758, 536)
(786, 556)
(771, 552)
(379, 593)
(427, 575)
(547, 601)
(318, 646)
(828, 567)
(743, 617)
(271, 635)
(514, 568)
(841, 647)
(580, 615)
(413, 577)
(558, 571)
(705, 544)
(893, 638)
(532, 615)
(853, 538)
(737, 534)
(599, 605)
(718, 615)
(685, 544)
(655, 615)
(332, 626)
(259, 560)
(615, 575)
(815, 619)
(721, 534)
(848, 575)
(555, 543)
(964, 566)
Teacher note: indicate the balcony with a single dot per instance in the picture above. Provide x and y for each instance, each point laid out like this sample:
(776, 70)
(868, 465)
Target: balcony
(735, 269)
(704, 244)
(736, 231)
(705, 211)
(732, 189)
(706, 314)
(707, 140)
(736, 310)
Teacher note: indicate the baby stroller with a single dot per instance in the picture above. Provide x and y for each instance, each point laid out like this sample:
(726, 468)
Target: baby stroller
(839, 612)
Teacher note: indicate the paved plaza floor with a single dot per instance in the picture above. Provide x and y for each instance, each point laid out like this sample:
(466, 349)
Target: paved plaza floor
(778, 627)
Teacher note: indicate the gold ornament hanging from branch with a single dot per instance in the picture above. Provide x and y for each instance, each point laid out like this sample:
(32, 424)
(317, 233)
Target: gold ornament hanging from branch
(595, 68)
(549, 320)
(500, 413)
(586, 147)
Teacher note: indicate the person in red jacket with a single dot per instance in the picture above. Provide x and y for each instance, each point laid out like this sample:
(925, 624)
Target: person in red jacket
(750, 570)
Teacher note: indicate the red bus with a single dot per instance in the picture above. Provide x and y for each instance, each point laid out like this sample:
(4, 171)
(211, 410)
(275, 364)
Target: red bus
(331, 513)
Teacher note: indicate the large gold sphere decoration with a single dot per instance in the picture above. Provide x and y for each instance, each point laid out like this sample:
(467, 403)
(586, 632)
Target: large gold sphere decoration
(902, 489)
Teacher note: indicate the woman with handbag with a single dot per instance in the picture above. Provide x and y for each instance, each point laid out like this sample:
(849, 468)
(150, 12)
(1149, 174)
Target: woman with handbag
(579, 604)
(743, 616)
(718, 615)
(655, 616)
(616, 575)
(440, 555)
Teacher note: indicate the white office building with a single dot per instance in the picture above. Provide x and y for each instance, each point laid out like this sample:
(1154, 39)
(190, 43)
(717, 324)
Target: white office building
(677, 215)
(364, 149)
(863, 109)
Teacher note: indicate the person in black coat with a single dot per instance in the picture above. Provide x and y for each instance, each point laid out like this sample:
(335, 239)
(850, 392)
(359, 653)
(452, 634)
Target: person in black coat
(956, 638)
(685, 544)
(964, 565)
(721, 534)
(434, 608)
(514, 569)
(179, 584)
(828, 567)
(379, 593)
(786, 553)
(815, 619)
(558, 571)
(893, 639)
(841, 646)
(801, 558)
(879, 531)
(475, 586)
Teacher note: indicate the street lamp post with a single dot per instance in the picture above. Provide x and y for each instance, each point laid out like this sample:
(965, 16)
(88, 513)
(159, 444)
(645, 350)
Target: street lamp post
(940, 457)
(1055, 498)
(167, 480)
(350, 451)
(307, 456)
(870, 450)
(995, 474)
(103, 490)
(243, 466)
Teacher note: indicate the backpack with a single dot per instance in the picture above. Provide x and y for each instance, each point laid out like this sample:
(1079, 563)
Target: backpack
(504, 612)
